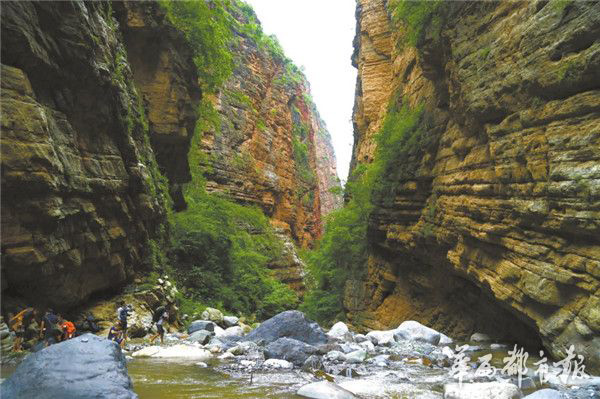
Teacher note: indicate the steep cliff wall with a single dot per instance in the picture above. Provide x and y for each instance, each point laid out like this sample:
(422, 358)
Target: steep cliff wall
(490, 215)
(99, 105)
(83, 201)
(264, 151)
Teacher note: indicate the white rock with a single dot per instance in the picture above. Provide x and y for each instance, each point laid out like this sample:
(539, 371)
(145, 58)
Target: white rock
(358, 356)
(339, 330)
(278, 364)
(445, 340)
(248, 363)
(202, 365)
(367, 345)
(415, 331)
(348, 347)
(226, 356)
(448, 352)
(545, 394)
(183, 352)
(496, 347)
(335, 356)
(230, 321)
(482, 390)
(146, 352)
(382, 338)
(219, 331)
(479, 337)
(232, 332)
(324, 390)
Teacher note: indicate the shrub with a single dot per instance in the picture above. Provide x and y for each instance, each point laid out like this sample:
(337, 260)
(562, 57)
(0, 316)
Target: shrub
(341, 253)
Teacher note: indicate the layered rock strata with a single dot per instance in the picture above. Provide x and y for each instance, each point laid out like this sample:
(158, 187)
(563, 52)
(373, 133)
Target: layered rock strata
(494, 225)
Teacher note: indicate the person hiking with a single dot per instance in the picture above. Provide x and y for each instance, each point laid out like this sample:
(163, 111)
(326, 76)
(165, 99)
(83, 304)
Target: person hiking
(122, 315)
(68, 330)
(116, 334)
(18, 324)
(160, 328)
(49, 329)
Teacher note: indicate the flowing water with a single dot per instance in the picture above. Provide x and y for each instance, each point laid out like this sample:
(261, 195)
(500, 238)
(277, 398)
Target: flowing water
(160, 379)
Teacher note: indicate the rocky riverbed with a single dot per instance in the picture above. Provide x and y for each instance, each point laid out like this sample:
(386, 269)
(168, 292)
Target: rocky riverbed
(289, 355)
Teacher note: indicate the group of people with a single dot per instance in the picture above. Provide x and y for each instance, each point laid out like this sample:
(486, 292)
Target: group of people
(118, 332)
(51, 327)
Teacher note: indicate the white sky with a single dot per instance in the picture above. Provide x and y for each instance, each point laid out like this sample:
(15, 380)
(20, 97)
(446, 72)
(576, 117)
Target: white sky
(318, 34)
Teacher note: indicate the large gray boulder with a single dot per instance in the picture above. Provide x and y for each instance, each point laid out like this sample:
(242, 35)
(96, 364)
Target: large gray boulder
(86, 367)
(289, 324)
(415, 331)
(201, 336)
(291, 350)
(198, 325)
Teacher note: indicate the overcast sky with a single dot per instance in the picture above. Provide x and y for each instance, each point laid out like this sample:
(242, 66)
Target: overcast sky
(318, 34)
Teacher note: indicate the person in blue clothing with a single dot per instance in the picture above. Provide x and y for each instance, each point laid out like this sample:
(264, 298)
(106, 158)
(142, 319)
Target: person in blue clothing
(122, 315)
(116, 334)
(49, 329)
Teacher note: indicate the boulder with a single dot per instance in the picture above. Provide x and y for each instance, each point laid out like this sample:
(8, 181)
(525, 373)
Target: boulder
(324, 390)
(367, 345)
(198, 325)
(219, 332)
(445, 340)
(482, 390)
(545, 394)
(480, 337)
(360, 338)
(181, 351)
(233, 332)
(313, 362)
(278, 364)
(201, 336)
(348, 347)
(212, 314)
(230, 321)
(95, 368)
(415, 331)
(290, 349)
(335, 356)
(290, 324)
(340, 331)
(358, 356)
(382, 338)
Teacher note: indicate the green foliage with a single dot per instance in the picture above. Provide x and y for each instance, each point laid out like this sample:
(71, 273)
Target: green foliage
(207, 27)
(417, 16)
(341, 253)
(221, 250)
(560, 5)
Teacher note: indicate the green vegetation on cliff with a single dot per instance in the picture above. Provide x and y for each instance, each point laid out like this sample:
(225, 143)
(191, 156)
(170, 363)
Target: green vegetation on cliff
(206, 25)
(341, 253)
(416, 16)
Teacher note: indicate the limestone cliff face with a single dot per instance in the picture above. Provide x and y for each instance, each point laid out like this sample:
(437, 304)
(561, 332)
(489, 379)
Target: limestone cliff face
(495, 226)
(83, 201)
(270, 143)
(99, 103)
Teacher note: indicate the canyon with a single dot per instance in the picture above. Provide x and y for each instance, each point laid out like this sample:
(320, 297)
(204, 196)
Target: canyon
(486, 210)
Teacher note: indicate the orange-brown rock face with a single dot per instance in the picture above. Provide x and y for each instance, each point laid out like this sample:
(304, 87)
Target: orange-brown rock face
(495, 226)
(265, 151)
(166, 77)
(83, 203)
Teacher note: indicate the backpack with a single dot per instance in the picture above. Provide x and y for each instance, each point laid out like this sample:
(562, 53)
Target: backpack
(158, 313)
